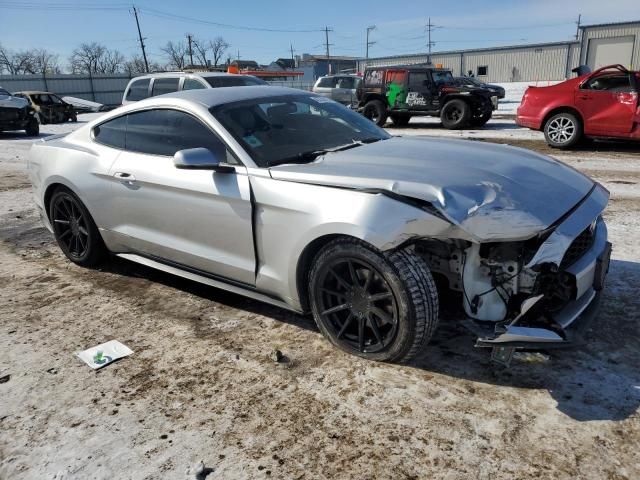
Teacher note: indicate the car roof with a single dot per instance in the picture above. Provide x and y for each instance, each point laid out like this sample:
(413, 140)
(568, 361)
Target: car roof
(410, 67)
(36, 92)
(211, 97)
(184, 74)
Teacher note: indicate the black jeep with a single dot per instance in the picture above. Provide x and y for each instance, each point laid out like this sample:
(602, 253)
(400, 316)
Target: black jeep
(401, 92)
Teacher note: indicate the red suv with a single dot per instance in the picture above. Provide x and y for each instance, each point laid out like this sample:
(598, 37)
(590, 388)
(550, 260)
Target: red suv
(602, 104)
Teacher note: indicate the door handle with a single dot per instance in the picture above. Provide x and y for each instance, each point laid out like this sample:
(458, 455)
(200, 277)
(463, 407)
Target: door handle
(584, 97)
(124, 177)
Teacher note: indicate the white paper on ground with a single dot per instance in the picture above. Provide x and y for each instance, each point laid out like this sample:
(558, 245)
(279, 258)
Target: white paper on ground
(104, 354)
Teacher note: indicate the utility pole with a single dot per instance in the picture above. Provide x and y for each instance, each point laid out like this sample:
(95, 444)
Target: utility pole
(326, 36)
(144, 53)
(369, 29)
(578, 24)
(430, 44)
(293, 61)
(238, 54)
(190, 49)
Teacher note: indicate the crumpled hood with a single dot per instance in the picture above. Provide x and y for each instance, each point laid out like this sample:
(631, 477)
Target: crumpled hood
(493, 192)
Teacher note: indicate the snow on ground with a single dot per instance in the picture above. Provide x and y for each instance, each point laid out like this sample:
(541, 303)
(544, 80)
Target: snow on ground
(201, 385)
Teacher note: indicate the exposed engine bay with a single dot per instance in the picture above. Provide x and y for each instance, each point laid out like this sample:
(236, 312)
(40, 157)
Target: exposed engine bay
(512, 301)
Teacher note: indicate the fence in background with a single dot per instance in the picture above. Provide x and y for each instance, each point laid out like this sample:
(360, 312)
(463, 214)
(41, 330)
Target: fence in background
(105, 89)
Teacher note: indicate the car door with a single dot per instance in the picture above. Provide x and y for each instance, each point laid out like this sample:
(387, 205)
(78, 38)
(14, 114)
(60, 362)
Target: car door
(608, 103)
(198, 219)
(419, 95)
(344, 91)
(396, 88)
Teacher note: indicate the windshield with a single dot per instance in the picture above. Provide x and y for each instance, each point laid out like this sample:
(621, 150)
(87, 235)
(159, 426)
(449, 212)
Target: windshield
(294, 128)
(442, 76)
(3, 92)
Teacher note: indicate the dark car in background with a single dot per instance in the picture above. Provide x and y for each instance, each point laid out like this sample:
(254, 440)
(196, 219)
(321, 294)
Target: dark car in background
(474, 82)
(17, 114)
(401, 92)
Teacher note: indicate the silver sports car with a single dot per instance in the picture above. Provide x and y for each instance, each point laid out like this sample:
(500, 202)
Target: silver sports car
(295, 200)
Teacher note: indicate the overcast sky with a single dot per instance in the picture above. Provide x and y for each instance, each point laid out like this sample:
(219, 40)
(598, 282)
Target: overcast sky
(400, 25)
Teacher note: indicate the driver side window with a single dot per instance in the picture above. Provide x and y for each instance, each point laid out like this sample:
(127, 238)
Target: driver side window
(617, 83)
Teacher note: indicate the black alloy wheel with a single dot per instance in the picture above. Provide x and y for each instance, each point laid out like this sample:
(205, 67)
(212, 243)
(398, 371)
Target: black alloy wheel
(358, 305)
(381, 306)
(74, 229)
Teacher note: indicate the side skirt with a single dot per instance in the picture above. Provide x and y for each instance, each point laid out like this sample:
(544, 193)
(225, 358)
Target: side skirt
(213, 282)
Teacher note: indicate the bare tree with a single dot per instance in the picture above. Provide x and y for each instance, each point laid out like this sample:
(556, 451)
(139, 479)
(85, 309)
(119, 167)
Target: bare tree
(111, 62)
(218, 46)
(16, 63)
(200, 50)
(45, 61)
(176, 53)
(86, 57)
(136, 65)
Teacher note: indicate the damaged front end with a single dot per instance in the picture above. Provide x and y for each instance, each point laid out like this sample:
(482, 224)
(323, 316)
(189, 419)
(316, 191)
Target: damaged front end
(537, 293)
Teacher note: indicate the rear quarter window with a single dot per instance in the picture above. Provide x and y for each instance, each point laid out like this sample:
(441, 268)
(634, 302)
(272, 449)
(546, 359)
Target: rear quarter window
(138, 90)
(111, 133)
(165, 85)
(327, 82)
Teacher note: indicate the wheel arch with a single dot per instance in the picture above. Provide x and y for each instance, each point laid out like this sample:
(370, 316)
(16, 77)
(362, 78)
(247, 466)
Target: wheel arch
(561, 109)
(374, 96)
(305, 261)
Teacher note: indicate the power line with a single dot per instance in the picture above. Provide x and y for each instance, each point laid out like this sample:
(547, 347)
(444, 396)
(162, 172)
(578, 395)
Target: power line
(161, 14)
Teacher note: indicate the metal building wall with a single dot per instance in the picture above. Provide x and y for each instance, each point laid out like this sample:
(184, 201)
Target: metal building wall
(521, 64)
(608, 31)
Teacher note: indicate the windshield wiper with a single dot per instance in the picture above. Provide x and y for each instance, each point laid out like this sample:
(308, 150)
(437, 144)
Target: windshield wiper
(310, 156)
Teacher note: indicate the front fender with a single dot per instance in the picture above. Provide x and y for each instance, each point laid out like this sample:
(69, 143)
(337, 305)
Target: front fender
(289, 216)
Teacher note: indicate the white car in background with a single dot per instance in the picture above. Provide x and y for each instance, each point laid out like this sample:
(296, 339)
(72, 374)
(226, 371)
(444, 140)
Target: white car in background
(156, 84)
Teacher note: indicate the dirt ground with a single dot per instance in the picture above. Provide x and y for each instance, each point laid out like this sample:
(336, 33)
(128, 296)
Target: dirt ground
(201, 384)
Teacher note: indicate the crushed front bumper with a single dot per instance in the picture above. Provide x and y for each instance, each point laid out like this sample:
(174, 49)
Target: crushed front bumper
(563, 328)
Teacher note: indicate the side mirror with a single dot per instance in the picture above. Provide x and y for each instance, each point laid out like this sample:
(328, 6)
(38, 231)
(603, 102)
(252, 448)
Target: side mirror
(200, 159)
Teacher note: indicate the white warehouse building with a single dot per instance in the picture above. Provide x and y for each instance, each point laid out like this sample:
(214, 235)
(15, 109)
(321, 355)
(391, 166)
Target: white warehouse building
(596, 46)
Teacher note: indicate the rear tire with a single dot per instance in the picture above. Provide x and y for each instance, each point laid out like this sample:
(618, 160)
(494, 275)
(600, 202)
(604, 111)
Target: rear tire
(376, 111)
(74, 229)
(455, 114)
(563, 130)
(400, 120)
(376, 305)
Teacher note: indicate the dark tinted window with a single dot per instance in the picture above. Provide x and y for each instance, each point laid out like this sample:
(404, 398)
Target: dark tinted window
(346, 82)
(483, 70)
(192, 84)
(327, 82)
(233, 81)
(418, 79)
(164, 85)
(3, 92)
(111, 133)
(139, 90)
(164, 132)
(610, 83)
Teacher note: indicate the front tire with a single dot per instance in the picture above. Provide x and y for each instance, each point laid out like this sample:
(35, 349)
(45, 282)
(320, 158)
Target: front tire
(563, 130)
(33, 128)
(480, 120)
(376, 305)
(400, 120)
(376, 111)
(74, 229)
(455, 114)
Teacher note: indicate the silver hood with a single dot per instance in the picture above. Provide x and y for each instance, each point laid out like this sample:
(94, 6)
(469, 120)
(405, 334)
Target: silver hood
(493, 192)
